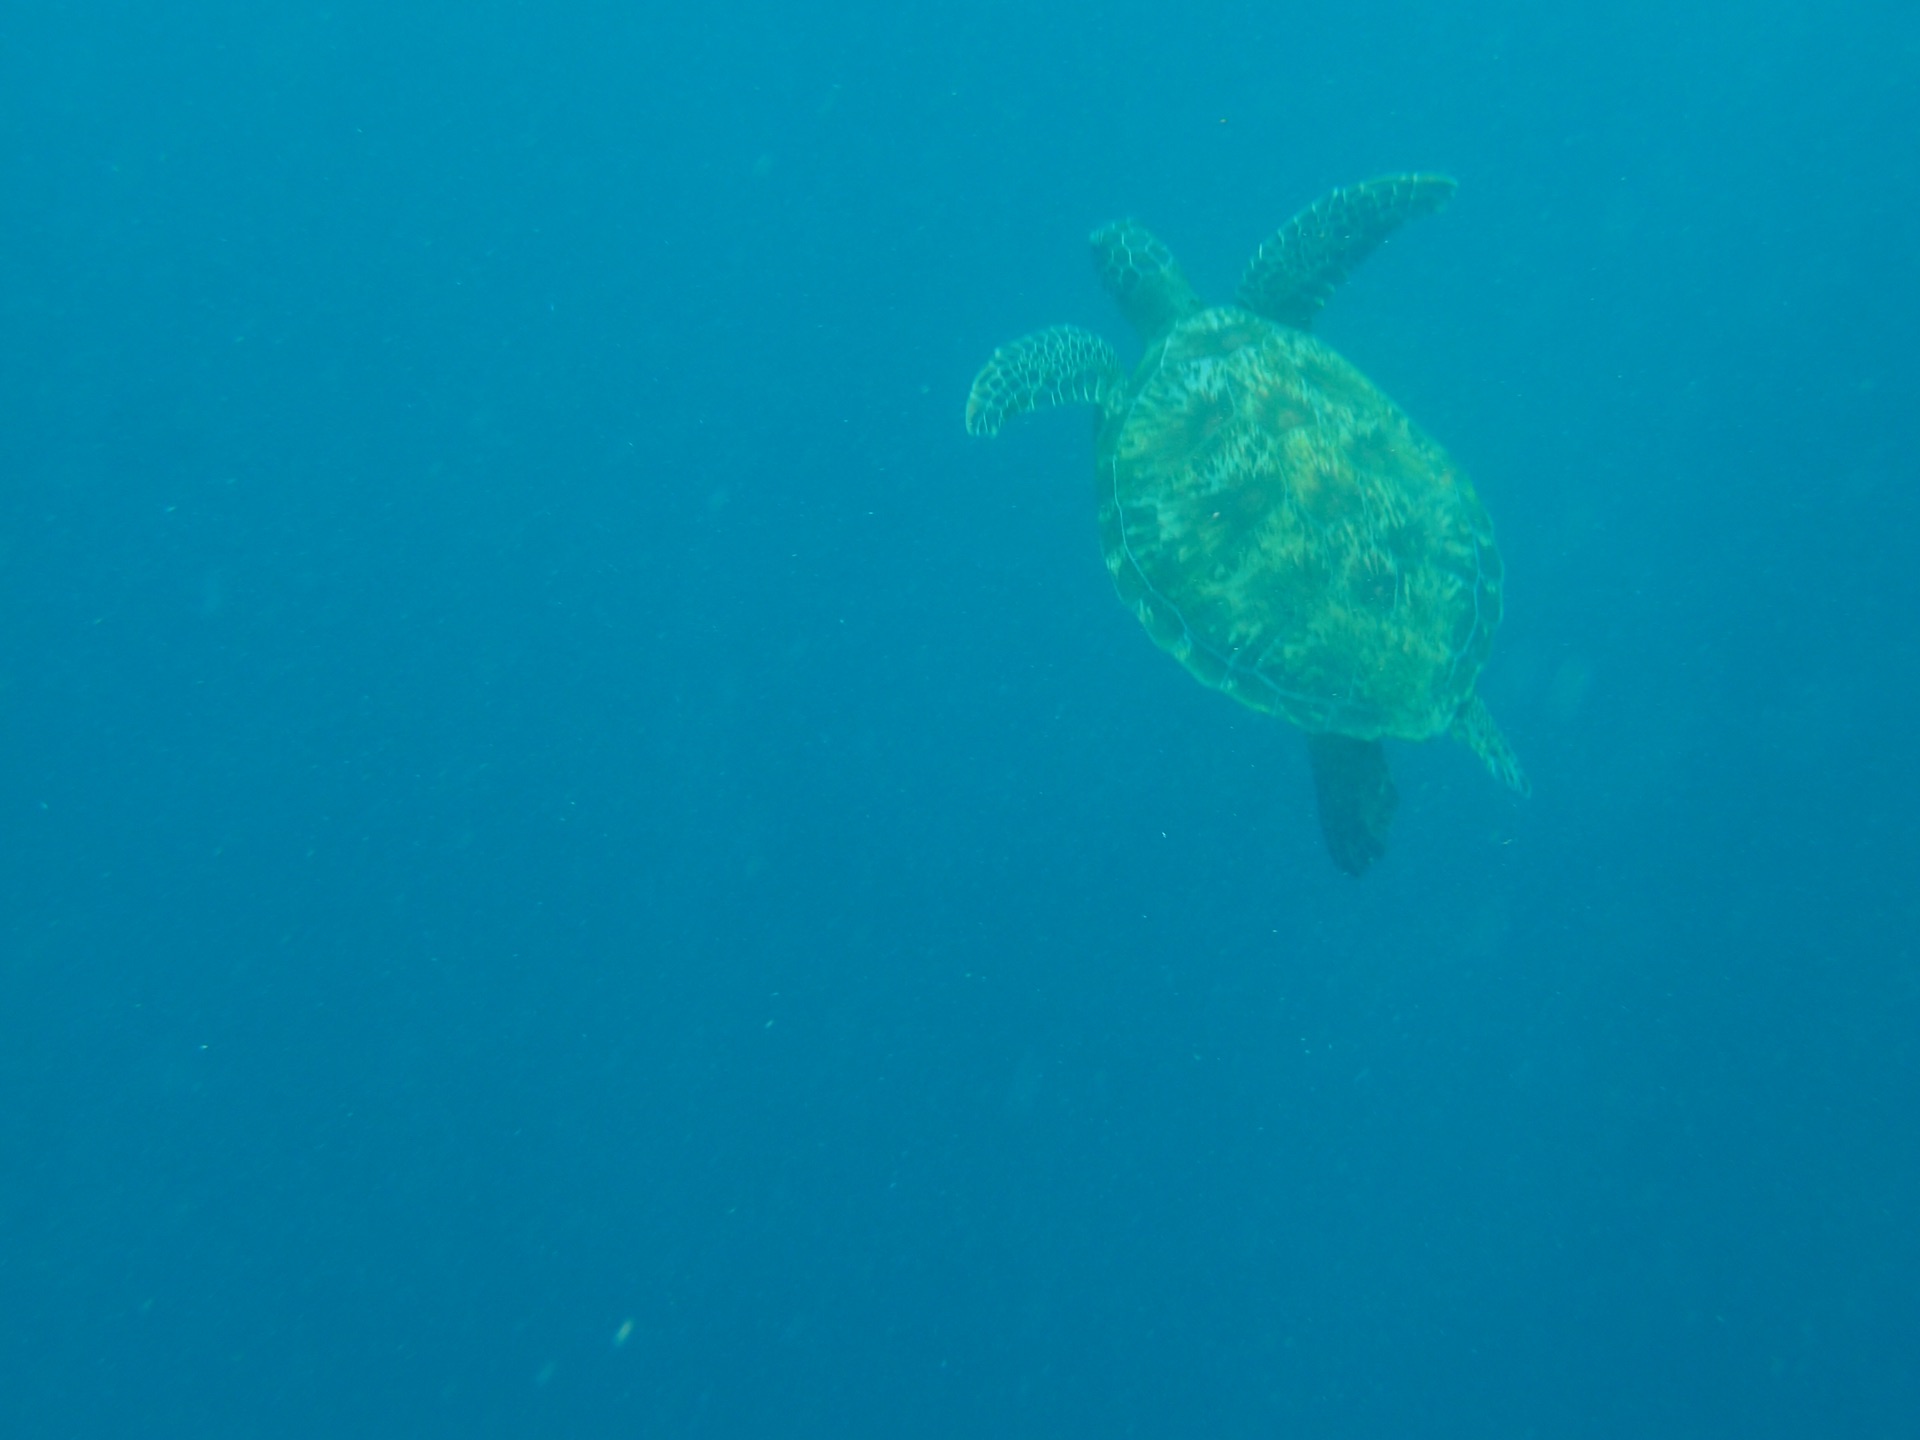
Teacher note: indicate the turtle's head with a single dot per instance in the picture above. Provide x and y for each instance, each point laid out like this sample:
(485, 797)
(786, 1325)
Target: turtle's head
(1143, 277)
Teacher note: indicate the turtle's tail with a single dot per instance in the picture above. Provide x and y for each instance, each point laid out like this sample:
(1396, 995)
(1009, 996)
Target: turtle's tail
(1357, 798)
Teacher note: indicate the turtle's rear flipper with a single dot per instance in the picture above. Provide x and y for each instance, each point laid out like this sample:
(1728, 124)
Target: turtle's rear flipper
(1474, 728)
(1357, 798)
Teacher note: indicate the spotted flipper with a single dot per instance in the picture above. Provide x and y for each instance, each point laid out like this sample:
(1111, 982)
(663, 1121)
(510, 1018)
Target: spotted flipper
(1061, 366)
(1303, 262)
(1473, 727)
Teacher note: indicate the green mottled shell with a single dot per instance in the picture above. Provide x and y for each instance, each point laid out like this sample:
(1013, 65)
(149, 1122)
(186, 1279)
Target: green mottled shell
(1290, 537)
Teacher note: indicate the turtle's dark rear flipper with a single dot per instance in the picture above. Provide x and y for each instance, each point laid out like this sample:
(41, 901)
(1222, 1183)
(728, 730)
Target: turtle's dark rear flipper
(1357, 798)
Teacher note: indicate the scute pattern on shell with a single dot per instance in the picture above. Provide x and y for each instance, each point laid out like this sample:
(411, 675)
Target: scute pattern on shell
(1283, 530)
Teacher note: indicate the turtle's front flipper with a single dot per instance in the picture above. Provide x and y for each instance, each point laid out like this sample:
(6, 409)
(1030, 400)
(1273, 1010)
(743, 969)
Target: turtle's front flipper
(1357, 798)
(1291, 276)
(1473, 727)
(1061, 366)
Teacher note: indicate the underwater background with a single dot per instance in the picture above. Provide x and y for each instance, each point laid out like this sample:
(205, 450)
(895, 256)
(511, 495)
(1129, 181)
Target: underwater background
(580, 861)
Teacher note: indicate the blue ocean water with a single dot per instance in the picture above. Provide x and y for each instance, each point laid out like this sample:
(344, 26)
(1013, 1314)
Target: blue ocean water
(580, 861)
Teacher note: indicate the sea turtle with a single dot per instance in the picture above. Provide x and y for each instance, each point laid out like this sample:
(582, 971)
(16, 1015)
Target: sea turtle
(1277, 524)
